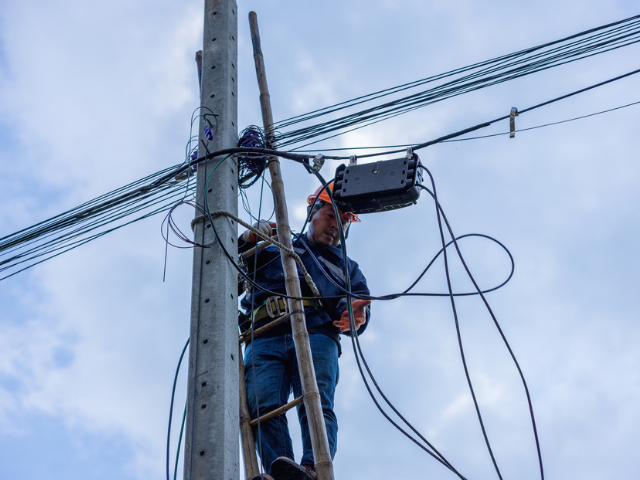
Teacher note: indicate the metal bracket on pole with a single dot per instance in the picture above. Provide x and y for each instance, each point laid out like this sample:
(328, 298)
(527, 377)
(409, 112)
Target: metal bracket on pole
(353, 160)
(317, 428)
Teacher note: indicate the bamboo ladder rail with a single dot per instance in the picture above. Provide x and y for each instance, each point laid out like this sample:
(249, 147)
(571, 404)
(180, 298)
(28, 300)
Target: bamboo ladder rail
(246, 423)
(315, 417)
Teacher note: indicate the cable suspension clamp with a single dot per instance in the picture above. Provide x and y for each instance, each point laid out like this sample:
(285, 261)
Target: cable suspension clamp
(353, 160)
(512, 122)
(318, 162)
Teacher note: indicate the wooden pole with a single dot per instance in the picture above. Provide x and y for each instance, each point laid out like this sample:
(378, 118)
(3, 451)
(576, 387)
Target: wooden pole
(317, 428)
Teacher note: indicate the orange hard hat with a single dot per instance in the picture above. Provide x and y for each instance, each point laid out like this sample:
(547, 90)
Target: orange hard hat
(322, 194)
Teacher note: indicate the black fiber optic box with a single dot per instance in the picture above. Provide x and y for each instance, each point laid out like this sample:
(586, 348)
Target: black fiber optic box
(379, 186)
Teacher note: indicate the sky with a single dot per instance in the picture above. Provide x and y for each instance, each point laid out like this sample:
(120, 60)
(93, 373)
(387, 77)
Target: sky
(95, 95)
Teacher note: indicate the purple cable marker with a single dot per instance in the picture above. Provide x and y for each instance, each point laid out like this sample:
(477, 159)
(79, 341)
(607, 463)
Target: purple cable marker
(194, 154)
(208, 133)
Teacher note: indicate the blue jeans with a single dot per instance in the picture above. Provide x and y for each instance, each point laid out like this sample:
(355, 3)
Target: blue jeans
(271, 374)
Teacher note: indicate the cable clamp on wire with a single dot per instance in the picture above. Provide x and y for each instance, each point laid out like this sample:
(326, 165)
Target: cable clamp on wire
(353, 160)
(409, 153)
(512, 122)
(318, 162)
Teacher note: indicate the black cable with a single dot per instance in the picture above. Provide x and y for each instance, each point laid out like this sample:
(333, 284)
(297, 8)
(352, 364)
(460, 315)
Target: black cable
(108, 201)
(497, 60)
(504, 339)
(394, 296)
(360, 356)
(457, 324)
(173, 393)
(490, 122)
(493, 72)
(374, 147)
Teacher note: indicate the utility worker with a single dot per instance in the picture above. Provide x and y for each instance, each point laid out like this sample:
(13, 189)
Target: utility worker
(270, 359)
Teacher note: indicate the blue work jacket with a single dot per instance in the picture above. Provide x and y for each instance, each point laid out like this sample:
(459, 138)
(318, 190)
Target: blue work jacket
(269, 274)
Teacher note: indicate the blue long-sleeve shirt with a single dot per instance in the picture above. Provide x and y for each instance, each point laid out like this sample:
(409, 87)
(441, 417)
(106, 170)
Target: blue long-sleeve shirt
(269, 274)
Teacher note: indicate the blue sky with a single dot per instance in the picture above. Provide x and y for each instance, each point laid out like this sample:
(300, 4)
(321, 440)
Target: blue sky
(94, 95)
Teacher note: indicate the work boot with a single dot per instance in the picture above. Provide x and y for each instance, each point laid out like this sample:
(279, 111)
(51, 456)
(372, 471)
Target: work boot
(262, 476)
(284, 468)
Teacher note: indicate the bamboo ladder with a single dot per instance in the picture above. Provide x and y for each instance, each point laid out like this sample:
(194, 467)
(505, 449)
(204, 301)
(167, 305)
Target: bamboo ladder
(311, 395)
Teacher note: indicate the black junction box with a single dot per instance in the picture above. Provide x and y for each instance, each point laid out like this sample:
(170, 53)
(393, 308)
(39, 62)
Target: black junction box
(379, 186)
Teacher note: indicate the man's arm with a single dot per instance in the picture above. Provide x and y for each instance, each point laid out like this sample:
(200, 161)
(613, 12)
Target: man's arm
(248, 239)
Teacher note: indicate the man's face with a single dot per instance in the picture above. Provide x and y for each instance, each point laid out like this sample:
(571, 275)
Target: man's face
(323, 226)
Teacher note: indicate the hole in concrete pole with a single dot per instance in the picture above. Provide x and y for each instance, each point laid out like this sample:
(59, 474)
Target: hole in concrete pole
(203, 407)
(232, 357)
(210, 190)
(205, 341)
(206, 300)
(208, 262)
(204, 384)
(212, 96)
(202, 453)
(208, 225)
(231, 295)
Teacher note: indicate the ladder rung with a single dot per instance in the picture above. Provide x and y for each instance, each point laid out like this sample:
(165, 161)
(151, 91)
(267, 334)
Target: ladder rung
(259, 331)
(277, 411)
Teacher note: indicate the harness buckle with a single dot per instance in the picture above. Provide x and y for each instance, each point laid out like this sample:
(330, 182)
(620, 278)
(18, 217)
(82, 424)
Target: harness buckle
(276, 306)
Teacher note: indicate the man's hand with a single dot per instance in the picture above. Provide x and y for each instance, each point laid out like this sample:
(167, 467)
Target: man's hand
(267, 228)
(359, 316)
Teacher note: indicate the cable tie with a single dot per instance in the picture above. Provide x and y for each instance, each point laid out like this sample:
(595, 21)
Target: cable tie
(512, 122)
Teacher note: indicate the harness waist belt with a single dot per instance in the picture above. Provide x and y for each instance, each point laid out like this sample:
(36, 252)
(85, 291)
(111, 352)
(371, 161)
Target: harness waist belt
(277, 306)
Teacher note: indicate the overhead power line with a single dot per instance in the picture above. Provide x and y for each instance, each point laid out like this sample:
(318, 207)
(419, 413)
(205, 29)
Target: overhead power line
(462, 80)
(158, 192)
(40, 242)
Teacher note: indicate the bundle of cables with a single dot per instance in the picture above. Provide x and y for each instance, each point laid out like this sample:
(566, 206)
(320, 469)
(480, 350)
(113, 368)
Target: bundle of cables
(251, 165)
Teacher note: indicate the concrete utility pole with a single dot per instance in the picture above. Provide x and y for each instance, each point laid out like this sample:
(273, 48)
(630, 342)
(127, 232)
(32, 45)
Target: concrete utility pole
(211, 440)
